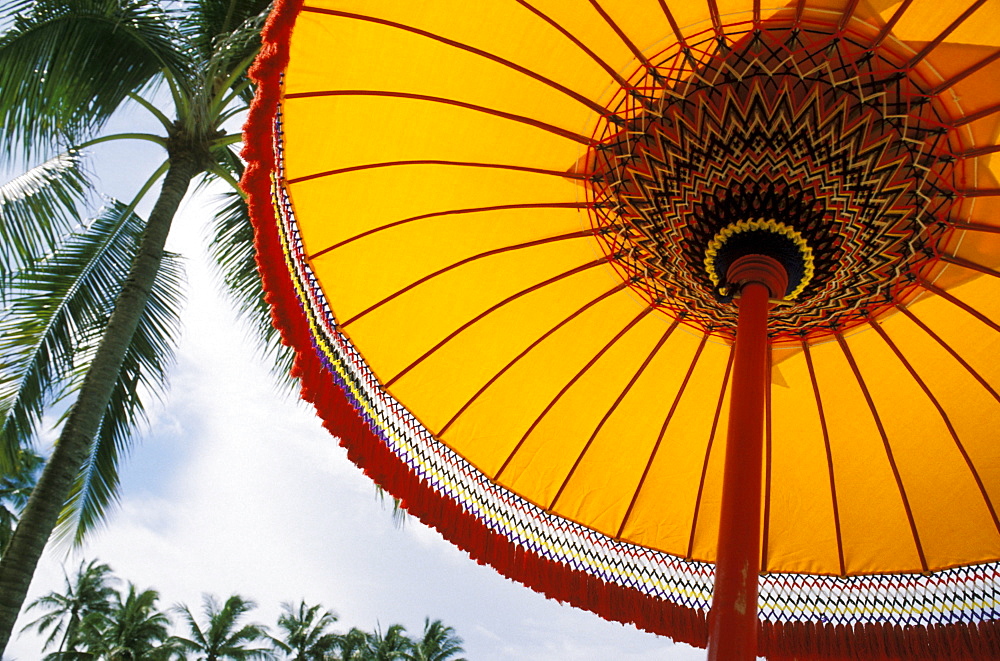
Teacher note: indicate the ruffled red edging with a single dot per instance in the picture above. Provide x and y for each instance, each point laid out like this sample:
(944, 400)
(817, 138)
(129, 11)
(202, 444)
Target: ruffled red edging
(784, 640)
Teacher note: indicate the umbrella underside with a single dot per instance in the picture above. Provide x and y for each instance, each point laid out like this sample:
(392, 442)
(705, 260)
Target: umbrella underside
(506, 249)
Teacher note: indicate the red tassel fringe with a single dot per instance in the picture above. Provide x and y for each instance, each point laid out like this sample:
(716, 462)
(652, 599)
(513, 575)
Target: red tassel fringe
(777, 641)
(789, 641)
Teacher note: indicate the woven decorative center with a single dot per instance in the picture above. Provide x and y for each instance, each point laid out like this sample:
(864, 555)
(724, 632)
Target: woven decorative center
(799, 131)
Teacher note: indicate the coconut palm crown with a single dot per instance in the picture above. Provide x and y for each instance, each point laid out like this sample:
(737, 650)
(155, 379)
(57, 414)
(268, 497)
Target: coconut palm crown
(438, 643)
(222, 635)
(89, 593)
(304, 632)
(90, 307)
(134, 630)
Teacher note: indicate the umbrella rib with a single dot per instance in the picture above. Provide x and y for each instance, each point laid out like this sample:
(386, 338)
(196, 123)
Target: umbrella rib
(564, 133)
(612, 409)
(518, 357)
(708, 450)
(579, 44)
(463, 262)
(467, 164)
(800, 7)
(450, 212)
(593, 105)
(979, 192)
(579, 375)
(494, 308)
(962, 304)
(636, 53)
(713, 10)
(676, 28)
(954, 80)
(766, 520)
(972, 227)
(954, 354)
(891, 23)
(979, 151)
(659, 438)
(829, 456)
(972, 266)
(941, 37)
(985, 112)
(845, 18)
(944, 417)
(885, 444)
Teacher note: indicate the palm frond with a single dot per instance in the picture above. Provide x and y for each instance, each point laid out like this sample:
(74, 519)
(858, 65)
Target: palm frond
(134, 629)
(399, 514)
(66, 67)
(439, 643)
(220, 638)
(38, 208)
(9, 9)
(304, 629)
(229, 160)
(15, 489)
(209, 22)
(352, 645)
(232, 250)
(53, 622)
(143, 374)
(223, 60)
(53, 306)
(197, 642)
(223, 621)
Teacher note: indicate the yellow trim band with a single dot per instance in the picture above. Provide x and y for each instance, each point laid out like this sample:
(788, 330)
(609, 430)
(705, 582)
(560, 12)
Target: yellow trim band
(769, 225)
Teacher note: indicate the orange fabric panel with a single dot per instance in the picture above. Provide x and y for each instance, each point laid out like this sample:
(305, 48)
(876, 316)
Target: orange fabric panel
(606, 479)
(495, 424)
(860, 458)
(548, 452)
(351, 203)
(801, 532)
(430, 131)
(452, 376)
(410, 324)
(369, 270)
(664, 509)
(524, 39)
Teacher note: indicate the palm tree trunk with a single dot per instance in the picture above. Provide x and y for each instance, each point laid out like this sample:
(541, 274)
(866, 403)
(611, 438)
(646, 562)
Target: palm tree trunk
(17, 566)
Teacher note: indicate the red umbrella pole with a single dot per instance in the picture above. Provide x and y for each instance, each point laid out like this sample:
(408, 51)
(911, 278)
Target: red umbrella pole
(733, 620)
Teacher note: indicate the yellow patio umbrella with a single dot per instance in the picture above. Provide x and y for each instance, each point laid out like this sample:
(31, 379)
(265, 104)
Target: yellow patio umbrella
(510, 241)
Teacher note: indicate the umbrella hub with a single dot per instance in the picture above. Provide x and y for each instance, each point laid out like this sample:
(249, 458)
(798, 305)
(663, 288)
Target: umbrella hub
(768, 238)
(800, 147)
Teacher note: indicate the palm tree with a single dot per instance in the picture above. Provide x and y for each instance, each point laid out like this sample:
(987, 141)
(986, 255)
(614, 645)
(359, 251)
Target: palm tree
(89, 593)
(95, 317)
(305, 636)
(222, 636)
(392, 645)
(133, 630)
(351, 646)
(439, 643)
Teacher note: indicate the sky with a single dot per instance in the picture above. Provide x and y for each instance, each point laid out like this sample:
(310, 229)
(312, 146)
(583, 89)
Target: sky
(236, 488)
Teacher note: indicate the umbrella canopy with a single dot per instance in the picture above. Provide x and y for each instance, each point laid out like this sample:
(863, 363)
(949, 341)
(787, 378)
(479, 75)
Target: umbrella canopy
(498, 235)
